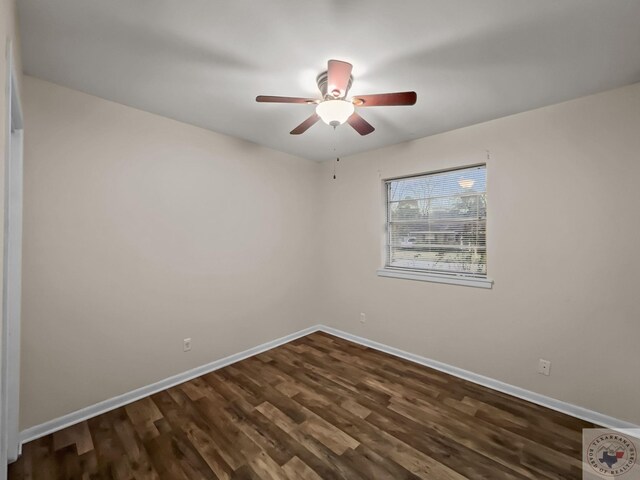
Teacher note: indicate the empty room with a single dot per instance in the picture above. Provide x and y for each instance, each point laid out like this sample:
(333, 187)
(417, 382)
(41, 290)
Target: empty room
(292, 240)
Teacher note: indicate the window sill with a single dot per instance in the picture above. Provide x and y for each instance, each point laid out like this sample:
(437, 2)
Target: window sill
(434, 277)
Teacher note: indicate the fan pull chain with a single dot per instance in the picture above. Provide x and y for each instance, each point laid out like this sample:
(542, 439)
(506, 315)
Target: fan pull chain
(334, 152)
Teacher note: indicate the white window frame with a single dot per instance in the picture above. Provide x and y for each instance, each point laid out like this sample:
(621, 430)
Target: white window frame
(418, 274)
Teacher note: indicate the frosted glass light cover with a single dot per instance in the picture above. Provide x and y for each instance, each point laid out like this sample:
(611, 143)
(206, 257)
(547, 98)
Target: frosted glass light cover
(335, 112)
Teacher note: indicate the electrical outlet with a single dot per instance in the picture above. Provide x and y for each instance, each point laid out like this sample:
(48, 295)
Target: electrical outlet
(363, 318)
(186, 345)
(544, 367)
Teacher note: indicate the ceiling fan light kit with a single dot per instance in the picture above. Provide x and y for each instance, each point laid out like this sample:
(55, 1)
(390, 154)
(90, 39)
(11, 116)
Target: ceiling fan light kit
(335, 112)
(334, 109)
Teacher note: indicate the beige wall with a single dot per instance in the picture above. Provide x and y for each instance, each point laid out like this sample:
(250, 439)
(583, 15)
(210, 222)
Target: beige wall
(564, 238)
(140, 231)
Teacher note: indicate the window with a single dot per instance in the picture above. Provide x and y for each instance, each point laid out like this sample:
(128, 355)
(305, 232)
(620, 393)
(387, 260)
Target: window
(436, 223)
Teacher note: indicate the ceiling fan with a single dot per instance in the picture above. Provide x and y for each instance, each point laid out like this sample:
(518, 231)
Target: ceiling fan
(334, 109)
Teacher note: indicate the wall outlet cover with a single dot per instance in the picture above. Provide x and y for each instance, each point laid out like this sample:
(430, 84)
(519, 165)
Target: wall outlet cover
(544, 367)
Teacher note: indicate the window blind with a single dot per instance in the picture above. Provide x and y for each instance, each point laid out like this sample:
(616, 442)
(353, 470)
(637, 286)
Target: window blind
(437, 222)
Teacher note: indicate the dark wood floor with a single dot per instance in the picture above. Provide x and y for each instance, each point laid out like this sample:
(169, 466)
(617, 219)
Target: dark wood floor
(319, 407)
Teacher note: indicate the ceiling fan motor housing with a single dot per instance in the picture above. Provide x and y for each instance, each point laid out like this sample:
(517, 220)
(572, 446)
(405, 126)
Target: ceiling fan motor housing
(323, 82)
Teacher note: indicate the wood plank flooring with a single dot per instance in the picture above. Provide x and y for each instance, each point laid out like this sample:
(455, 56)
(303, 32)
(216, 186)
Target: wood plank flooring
(317, 408)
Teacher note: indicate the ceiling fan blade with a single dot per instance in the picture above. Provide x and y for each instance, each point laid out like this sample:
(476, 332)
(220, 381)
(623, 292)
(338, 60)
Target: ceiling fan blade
(338, 75)
(385, 99)
(275, 99)
(304, 126)
(359, 124)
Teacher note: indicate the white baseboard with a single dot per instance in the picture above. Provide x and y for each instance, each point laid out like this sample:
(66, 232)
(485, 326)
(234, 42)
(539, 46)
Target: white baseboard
(538, 399)
(91, 411)
(72, 418)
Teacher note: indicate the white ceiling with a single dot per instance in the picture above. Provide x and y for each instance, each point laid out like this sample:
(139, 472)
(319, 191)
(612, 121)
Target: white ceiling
(204, 61)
